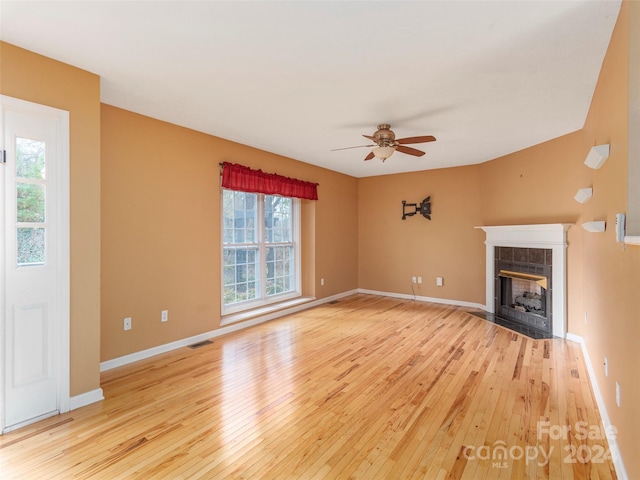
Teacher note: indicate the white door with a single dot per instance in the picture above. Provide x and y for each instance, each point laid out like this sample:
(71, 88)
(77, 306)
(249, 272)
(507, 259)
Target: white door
(34, 236)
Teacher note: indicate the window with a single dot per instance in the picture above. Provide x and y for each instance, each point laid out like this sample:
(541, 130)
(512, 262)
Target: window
(30, 202)
(260, 250)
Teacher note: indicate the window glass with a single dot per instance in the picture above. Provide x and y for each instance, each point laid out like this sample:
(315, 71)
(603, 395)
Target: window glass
(31, 246)
(280, 269)
(30, 202)
(277, 219)
(30, 159)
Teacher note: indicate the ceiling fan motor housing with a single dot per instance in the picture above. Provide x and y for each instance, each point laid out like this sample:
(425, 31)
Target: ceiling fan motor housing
(384, 135)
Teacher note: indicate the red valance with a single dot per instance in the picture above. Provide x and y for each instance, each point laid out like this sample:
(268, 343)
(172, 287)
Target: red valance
(245, 179)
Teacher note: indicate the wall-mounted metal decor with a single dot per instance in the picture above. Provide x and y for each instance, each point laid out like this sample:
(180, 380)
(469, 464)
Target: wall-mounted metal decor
(423, 209)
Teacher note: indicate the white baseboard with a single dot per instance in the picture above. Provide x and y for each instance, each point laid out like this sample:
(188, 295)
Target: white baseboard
(85, 399)
(167, 347)
(446, 301)
(616, 456)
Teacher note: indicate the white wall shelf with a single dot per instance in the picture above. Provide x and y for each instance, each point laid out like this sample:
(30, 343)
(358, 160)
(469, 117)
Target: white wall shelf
(632, 240)
(583, 195)
(595, 227)
(597, 156)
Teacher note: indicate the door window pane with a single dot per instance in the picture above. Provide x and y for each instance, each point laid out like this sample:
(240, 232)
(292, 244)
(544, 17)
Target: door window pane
(30, 159)
(31, 246)
(30, 202)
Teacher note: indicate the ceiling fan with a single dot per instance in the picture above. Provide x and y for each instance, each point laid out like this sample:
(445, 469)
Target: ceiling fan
(386, 143)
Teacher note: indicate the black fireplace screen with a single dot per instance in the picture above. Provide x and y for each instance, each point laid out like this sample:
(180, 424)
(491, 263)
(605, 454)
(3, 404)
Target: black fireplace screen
(524, 292)
(523, 287)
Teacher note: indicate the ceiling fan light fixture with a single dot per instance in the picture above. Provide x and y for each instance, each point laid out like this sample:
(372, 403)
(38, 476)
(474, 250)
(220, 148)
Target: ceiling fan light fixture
(383, 152)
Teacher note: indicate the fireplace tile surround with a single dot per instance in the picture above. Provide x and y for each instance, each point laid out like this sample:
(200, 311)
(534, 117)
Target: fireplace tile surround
(523, 239)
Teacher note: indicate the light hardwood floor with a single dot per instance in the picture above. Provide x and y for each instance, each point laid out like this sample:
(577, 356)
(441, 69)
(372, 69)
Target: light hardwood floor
(367, 388)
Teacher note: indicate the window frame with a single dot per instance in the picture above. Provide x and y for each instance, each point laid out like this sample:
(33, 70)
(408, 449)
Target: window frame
(263, 299)
(633, 151)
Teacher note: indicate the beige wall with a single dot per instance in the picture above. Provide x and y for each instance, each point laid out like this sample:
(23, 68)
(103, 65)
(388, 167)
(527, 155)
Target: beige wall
(536, 185)
(38, 79)
(161, 229)
(611, 272)
(392, 250)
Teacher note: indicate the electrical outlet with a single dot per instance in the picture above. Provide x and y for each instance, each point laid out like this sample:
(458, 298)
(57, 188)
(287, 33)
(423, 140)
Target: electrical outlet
(164, 316)
(606, 367)
(618, 399)
(322, 282)
(439, 281)
(413, 279)
(419, 279)
(585, 318)
(127, 323)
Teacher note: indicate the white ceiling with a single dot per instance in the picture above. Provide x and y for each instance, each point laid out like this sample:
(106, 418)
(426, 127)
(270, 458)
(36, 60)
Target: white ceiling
(486, 78)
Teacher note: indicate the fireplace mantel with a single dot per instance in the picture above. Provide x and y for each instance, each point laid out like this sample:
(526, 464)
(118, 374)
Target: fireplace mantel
(552, 236)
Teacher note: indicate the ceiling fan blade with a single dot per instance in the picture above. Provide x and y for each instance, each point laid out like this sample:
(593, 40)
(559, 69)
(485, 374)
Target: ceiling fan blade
(373, 139)
(370, 156)
(423, 139)
(410, 151)
(347, 148)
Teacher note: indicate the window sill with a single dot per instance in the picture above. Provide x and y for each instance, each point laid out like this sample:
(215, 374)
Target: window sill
(262, 311)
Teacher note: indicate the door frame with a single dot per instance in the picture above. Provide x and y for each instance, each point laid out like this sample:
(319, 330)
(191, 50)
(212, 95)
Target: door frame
(63, 289)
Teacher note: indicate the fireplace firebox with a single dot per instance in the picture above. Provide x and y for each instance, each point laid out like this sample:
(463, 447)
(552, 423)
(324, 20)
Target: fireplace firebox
(523, 288)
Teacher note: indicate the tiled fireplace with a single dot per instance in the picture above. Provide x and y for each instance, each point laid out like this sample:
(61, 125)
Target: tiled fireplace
(526, 276)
